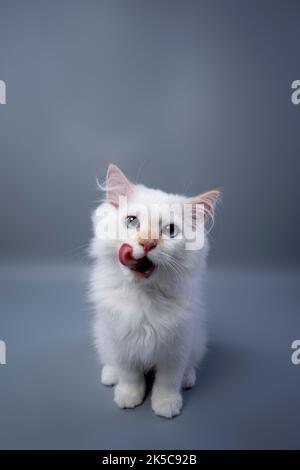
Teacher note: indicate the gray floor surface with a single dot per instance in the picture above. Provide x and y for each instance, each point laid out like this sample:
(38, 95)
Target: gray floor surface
(247, 394)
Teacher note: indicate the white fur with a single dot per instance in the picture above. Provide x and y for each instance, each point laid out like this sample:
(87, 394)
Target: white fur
(155, 323)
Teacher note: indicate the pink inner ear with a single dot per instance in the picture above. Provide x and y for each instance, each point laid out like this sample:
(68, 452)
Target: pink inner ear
(117, 184)
(208, 199)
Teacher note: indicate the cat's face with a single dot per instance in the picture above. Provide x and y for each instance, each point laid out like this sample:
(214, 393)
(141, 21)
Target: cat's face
(144, 231)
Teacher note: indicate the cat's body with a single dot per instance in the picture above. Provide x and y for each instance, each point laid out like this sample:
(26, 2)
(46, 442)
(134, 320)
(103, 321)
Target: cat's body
(147, 321)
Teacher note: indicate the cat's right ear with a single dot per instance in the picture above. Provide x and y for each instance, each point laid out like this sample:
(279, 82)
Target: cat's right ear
(117, 184)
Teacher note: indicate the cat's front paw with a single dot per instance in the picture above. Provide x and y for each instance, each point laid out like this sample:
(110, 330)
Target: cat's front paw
(189, 379)
(167, 406)
(129, 396)
(109, 375)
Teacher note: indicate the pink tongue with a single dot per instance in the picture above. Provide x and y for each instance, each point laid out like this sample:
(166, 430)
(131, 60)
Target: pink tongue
(125, 255)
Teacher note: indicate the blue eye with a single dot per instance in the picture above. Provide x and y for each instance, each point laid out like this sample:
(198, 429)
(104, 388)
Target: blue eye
(132, 221)
(170, 231)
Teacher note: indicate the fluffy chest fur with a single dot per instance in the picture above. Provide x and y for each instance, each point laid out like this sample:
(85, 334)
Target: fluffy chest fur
(142, 322)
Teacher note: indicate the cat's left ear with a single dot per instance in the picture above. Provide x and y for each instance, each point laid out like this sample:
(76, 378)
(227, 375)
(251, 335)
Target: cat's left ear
(208, 199)
(117, 184)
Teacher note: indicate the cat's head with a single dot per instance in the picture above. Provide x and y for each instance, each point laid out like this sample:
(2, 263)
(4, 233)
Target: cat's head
(147, 233)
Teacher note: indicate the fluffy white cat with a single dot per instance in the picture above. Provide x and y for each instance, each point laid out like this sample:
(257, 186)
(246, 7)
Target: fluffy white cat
(147, 294)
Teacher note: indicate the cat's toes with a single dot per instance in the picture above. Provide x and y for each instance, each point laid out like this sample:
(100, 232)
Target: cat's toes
(167, 406)
(129, 396)
(189, 379)
(109, 375)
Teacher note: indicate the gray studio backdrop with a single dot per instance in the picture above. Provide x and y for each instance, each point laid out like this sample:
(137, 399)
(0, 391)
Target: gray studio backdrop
(183, 95)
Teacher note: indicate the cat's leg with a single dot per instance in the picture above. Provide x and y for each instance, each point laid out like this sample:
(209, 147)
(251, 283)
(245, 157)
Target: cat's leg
(189, 378)
(109, 375)
(196, 357)
(106, 350)
(130, 390)
(166, 394)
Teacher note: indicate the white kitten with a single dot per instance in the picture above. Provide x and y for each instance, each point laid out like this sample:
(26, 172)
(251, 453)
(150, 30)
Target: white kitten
(147, 294)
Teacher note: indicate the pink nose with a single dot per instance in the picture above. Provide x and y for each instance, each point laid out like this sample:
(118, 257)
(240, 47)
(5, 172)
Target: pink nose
(148, 244)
